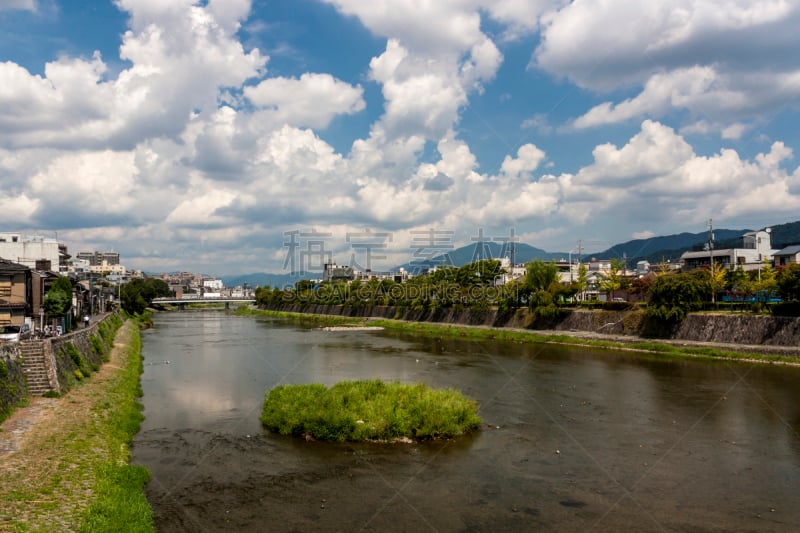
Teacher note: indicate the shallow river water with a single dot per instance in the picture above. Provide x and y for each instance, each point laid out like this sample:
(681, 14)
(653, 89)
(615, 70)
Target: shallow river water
(573, 439)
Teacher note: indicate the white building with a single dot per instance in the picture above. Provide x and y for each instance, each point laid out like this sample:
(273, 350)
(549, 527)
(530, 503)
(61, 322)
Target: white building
(213, 284)
(34, 251)
(756, 248)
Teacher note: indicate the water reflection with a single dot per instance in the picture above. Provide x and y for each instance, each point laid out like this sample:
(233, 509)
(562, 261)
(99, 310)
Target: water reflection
(573, 439)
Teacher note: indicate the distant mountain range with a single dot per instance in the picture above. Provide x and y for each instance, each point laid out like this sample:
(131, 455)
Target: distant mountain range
(653, 250)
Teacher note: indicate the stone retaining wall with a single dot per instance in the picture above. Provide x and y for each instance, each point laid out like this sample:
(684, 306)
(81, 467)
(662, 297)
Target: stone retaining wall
(733, 329)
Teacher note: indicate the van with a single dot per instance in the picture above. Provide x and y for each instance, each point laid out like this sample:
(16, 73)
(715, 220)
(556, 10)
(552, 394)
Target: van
(14, 333)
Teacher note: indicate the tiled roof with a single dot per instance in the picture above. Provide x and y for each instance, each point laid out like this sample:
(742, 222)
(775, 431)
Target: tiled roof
(10, 266)
(789, 250)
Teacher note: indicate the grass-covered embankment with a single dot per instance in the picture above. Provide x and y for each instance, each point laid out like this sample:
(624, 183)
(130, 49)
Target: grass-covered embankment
(369, 410)
(651, 348)
(72, 472)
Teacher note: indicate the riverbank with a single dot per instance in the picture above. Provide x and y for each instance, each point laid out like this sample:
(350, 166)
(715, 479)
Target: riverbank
(64, 461)
(661, 347)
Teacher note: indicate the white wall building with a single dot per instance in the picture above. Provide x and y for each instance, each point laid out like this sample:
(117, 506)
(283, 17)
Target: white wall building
(212, 284)
(756, 248)
(28, 249)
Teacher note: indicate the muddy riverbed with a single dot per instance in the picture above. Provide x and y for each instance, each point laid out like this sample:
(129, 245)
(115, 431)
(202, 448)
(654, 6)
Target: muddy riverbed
(573, 439)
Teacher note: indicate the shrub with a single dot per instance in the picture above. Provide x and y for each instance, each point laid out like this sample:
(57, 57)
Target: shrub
(368, 410)
(786, 309)
(77, 358)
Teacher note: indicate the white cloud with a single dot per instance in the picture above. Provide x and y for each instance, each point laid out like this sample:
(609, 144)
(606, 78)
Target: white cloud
(23, 5)
(657, 180)
(734, 131)
(655, 150)
(86, 189)
(528, 159)
(723, 61)
(193, 135)
(313, 100)
(180, 57)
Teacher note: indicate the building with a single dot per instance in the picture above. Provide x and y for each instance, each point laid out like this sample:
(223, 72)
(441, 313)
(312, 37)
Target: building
(34, 251)
(213, 285)
(105, 269)
(98, 258)
(16, 292)
(787, 256)
(333, 272)
(756, 249)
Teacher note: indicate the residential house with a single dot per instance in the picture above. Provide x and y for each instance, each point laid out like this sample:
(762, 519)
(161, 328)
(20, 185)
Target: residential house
(756, 248)
(16, 292)
(787, 256)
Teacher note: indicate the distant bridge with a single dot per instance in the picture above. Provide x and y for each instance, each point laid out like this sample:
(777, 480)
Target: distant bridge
(182, 302)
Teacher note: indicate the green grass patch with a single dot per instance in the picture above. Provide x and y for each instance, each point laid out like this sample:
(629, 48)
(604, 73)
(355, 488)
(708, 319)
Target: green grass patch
(120, 503)
(370, 410)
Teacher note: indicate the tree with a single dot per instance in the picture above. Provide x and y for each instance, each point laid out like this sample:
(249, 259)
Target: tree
(540, 275)
(766, 282)
(583, 280)
(674, 295)
(138, 293)
(479, 273)
(788, 282)
(614, 279)
(718, 278)
(59, 298)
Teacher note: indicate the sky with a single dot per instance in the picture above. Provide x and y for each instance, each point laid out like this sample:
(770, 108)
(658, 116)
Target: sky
(238, 136)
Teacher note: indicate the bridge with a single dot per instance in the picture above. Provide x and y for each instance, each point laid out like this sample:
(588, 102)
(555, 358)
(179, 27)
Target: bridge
(182, 302)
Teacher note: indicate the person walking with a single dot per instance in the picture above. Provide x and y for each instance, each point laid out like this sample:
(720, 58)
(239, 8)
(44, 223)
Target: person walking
(86, 321)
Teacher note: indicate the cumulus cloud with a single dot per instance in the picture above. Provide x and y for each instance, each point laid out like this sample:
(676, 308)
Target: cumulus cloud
(194, 149)
(656, 179)
(720, 61)
(312, 101)
(528, 159)
(181, 58)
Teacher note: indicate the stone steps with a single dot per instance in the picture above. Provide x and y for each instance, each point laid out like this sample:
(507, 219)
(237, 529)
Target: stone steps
(34, 367)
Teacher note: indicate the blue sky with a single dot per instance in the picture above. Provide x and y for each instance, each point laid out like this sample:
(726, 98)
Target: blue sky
(206, 136)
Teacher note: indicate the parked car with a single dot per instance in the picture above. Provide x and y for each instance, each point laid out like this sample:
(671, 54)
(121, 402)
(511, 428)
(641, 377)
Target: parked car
(14, 333)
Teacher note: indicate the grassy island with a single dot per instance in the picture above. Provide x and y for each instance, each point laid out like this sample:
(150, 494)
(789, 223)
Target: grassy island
(368, 410)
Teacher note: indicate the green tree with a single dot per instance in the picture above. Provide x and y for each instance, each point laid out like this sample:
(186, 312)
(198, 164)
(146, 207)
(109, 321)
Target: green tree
(540, 275)
(766, 282)
(614, 279)
(138, 293)
(58, 300)
(718, 278)
(479, 273)
(788, 282)
(674, 295)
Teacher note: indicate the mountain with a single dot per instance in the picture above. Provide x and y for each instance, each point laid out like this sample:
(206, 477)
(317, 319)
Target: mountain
(669, 247)
(785, 234)
(523, 253)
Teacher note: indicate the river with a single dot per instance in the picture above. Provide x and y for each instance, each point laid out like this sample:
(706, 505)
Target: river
(573, 439)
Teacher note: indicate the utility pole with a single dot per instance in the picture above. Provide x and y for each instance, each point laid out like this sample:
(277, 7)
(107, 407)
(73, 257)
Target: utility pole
(711, 259)
(511, 252)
